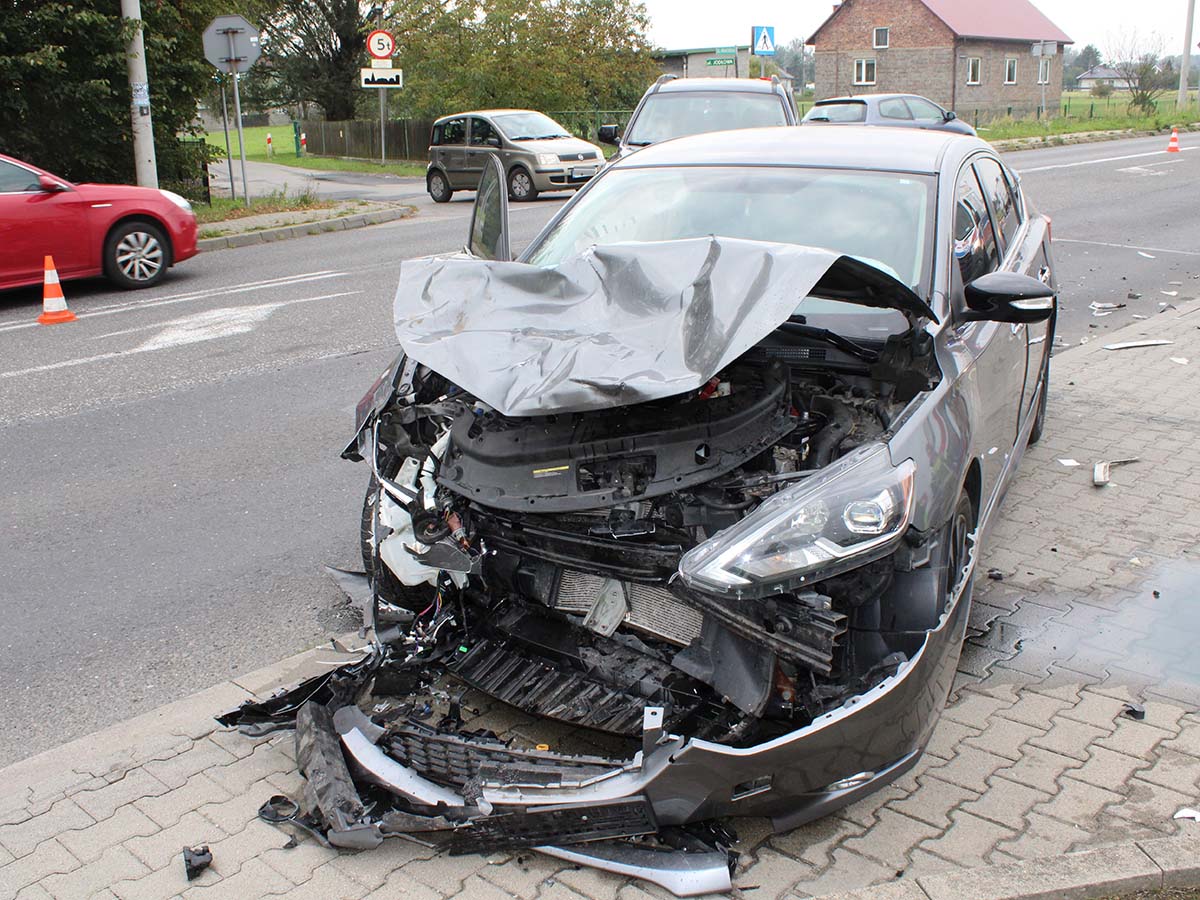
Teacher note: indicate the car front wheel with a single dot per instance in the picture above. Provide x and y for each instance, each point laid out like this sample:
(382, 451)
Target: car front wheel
(520, 185)
(136, 255)
(439, 188)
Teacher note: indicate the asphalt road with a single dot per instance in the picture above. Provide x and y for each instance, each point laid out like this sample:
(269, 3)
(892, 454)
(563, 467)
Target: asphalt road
(172, 482)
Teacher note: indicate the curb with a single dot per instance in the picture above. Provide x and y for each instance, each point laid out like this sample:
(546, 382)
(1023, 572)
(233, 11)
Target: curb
(1008, 145)
(283, 233)
(1133, 866)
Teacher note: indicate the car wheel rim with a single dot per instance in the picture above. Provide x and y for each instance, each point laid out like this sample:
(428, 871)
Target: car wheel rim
(521, 185)
(139, 256)
(436, 185)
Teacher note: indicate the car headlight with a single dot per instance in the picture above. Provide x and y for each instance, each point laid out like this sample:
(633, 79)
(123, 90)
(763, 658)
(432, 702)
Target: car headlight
(181, 202)
(853, 511)
(547, 159)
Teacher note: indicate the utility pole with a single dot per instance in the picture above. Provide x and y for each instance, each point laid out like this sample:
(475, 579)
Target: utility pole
(145, 164)
(1181, 103)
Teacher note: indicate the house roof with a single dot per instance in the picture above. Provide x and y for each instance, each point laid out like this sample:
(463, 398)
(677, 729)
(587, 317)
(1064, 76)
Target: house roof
(1010, 20)
(1099, 72)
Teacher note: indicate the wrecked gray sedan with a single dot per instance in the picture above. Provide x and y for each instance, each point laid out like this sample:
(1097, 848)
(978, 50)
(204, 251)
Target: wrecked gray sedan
(697, 485)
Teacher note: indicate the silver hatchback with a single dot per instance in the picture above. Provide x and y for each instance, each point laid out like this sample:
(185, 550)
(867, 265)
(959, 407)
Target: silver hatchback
(537, 153)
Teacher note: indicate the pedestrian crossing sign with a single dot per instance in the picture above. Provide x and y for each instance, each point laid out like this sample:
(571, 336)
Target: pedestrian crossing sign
(762, 40)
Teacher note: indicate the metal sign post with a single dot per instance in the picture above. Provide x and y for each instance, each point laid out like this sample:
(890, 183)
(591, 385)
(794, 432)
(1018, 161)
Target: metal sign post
(381, 45)
(228, 150)
(231, 44)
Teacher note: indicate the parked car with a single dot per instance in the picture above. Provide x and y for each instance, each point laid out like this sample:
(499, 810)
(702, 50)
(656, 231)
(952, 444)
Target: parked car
(537, 153)
(130, 234)
(898, 110)
(705, 473)
(675, 107)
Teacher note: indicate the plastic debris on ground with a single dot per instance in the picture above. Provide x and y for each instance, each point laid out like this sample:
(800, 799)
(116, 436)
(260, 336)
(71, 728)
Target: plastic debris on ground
(1182, 360)
(1102, 471)
(195, 861)
(1147, 255)
(1133, 295)
(1134, 711)
(1130, 345)
(1188, 813)
(1069, 463)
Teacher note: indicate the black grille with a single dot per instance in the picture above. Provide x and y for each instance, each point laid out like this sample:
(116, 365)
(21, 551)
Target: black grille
(577, 157)
(511, 830)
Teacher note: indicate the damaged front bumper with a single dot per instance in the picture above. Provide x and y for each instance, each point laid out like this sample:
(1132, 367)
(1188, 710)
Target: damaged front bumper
(368, 777)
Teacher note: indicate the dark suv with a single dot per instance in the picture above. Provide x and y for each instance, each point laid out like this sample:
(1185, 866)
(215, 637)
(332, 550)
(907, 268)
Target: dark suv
(676, 107)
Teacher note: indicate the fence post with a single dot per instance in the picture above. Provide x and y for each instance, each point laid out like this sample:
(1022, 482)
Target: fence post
(1092, 109)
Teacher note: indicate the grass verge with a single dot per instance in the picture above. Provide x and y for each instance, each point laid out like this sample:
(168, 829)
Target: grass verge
(1005, 129)
(284, 144)
(223, 209)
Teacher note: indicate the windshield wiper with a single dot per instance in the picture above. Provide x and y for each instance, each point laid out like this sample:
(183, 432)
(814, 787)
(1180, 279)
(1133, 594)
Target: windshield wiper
(858, 351)
(550, 137)
(639, 143)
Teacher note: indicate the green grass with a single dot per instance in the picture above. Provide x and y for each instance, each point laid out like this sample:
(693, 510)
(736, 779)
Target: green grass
(285, 153)
(1005, 128)
(222, 209)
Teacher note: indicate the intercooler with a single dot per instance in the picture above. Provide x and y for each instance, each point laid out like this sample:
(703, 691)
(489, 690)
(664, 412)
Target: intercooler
(651, 609)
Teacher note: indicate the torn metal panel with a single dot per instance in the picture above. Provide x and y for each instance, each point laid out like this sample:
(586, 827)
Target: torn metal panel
(618, 324)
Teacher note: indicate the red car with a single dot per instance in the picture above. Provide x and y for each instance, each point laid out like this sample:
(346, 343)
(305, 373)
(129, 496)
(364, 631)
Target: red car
(130, 234)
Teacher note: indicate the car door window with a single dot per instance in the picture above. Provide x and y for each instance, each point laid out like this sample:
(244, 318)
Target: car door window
(482, 132)
(894, 108)
(1000, 198)
(454, 131)
(924, 111)
(975, 246)
(15, 179)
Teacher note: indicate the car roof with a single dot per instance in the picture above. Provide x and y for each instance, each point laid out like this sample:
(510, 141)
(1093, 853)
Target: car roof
(860, 98)
(846, 147)
(483, 112)
(744, 85)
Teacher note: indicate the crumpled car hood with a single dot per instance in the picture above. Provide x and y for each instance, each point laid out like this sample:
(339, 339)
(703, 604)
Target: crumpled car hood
(617, 324)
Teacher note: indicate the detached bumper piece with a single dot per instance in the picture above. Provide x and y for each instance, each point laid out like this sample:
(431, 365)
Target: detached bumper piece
(458, 819)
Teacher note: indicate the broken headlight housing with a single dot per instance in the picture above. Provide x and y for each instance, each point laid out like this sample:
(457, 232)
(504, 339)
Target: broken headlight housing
(854, 511)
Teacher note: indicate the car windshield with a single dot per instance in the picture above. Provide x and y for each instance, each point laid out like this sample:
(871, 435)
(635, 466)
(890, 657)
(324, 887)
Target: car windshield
(882, 218)
(672, 115)
(529, 126)
(837, 112)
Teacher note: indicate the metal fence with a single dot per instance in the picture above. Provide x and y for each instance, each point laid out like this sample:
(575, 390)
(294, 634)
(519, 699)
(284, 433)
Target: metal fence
(359, 139)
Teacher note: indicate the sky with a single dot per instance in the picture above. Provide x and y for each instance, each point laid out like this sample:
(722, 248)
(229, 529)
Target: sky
(675, 24)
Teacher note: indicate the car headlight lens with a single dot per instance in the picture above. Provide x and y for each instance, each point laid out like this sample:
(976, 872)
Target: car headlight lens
(853, 511)
(547, 159)
(181, 202)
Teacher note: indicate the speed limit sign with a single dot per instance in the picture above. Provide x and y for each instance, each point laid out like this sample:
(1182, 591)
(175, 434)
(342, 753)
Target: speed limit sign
(381, 45)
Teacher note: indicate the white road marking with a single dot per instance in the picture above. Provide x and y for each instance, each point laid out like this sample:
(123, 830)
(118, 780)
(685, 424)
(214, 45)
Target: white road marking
(1141, 250)
(1093, 162)
(210, 325)
(131, 305)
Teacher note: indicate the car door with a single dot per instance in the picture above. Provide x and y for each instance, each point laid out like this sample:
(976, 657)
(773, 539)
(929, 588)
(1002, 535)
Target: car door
(998, 348)
(35, 223)
(453, 152)
(1024, 252)
(484, 142)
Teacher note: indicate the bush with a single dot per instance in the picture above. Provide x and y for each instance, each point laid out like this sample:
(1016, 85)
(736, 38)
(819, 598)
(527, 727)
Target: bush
(1102, 89)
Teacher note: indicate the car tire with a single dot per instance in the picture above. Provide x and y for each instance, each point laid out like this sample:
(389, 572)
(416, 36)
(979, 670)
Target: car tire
(136, 255)
(520, 186)
(961, 524)
(1039, 420)
(439, 188)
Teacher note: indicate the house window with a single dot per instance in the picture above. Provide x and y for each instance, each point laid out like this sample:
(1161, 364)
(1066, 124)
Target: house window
(974, 66)
(1043, 71)
(864, 71)
(1010, 71)
(881, 38)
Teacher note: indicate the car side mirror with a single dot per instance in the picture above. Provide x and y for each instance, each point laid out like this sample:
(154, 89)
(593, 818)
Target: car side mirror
(951, 115)
(488, 237)
(49, 185)
(493, 141)
(607, 134)
(1009, 297)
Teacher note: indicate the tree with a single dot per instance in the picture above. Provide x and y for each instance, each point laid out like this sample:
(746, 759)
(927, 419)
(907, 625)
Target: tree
(797, 60)
(1138, 62)
(65, 105)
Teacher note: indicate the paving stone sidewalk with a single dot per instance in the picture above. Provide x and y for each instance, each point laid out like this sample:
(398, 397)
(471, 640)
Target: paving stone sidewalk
(1099, 607)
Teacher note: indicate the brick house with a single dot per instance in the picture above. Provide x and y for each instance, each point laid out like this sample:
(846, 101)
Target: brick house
(967, 55)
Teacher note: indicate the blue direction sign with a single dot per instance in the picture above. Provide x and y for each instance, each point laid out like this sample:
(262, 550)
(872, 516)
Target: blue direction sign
(762, 40)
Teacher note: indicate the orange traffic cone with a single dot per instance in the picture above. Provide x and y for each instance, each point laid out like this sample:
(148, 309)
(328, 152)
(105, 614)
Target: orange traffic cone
(54, 304)
(1173, 143)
